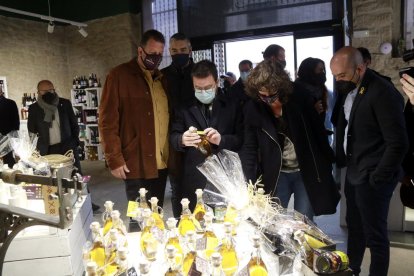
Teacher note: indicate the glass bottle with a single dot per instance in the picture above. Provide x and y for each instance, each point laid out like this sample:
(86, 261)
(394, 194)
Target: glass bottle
(119, 225)
(232, 216)
(156, 215)
(110, 252)
(191, 254)
(148, 242)
(216, 269)
(172, 239)
(174, 267)
(199, 209)
(204, 146)
(97, 252)
(144, 267)
(228, 251)
(256, 266)
(186, 221)
(211, 238)
(91, 269)
(143, 204)
(106, 217)
(122, 260)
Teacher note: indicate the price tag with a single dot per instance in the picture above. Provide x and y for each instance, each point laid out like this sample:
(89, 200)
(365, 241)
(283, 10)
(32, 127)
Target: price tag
(132, 209)
(201, 244)
(202, 265)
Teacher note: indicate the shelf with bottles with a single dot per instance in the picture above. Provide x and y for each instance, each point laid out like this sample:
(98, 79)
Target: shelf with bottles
(86, 97)
(27, 100)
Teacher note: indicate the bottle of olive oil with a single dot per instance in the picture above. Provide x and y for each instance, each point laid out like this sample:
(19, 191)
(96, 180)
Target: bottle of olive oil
(227, 250)
(186, 221)
(174, 267)
(191, 252)
(110, 252)
(157, 216)
(122, 260)
(119, 225)
(148, 242)
(97, 252)
(172, 239)
(210, 236)
(199, 209)
(143, 204)
(106, 217)
(216, 269)
(91, 269)
(256, 265)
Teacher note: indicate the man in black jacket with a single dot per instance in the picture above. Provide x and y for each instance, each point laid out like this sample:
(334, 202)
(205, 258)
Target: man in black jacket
(9, 115)
(371, 142)
(212, 113)
(181, 93)
(237, 92)
(53, 120)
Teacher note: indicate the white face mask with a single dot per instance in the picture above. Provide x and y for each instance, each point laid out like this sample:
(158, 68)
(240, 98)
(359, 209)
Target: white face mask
(205, 96)
(244, 75)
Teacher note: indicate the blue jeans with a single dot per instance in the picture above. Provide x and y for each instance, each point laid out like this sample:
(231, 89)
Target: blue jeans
(292, 183)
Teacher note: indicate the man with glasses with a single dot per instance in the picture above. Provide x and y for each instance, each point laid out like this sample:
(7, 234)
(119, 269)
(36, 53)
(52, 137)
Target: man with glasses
(212, 113)
(53, 120)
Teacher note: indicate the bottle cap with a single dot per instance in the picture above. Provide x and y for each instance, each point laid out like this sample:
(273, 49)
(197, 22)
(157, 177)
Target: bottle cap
(256, 240)
(154, 201)
(216, 259)
(144, 266)
(199, 193)
(171, 223)
(122, 252)
(91, 267)
(115, 214)
(108, 205)
(95, 226)
(171, 251)
(185, 202)
(142, 191)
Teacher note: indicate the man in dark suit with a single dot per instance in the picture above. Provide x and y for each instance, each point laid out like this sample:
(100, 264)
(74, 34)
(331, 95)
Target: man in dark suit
(214, 114)
(9, 115)
(53, 120)
(371, 142)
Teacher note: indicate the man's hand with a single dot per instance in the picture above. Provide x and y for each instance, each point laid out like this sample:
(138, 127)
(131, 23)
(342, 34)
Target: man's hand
(408, 87)
(213, 136)
(190, 138)
(120, 172)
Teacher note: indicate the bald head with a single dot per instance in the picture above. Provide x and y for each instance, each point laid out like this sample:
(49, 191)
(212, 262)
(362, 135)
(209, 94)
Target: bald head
(347, 64)
(44, 86)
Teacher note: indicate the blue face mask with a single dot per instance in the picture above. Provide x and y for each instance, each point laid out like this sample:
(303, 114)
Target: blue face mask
(244, 75)
(205, 96)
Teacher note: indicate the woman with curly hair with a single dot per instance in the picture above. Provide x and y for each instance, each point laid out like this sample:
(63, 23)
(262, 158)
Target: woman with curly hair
(286, 144)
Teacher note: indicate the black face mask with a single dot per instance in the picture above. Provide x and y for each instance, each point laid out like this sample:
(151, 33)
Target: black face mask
(283, 63)
(344, 87)
(180, 60)
(49, 97)
(319, 79)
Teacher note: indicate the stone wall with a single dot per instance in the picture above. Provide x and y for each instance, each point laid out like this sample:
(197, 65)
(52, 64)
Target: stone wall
(28, 53)
(382, 19)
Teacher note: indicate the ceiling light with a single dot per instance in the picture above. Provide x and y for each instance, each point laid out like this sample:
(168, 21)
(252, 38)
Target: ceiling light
(83, 32)
(50, 27)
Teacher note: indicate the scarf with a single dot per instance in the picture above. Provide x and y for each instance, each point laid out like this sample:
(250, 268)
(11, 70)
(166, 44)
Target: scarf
(49, 109)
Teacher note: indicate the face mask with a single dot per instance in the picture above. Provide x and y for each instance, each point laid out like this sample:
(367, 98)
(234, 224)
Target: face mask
(49, 97)
(151, 61)
(320, 78)
(344, 87)
(180, 60)
(283, 63)
(244, 75)
(205, 96)
(269, 99)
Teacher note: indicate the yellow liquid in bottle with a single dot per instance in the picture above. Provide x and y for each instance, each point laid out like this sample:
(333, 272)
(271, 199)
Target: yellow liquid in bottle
(186, 224)
(112, 266)
(257, 267)
(172, 273)
(231, 215)
(199, 211)
(188, 261)
(229, 262)
(212, 243)
(159, 223)
(174, 241)
(107, 226)
(148, 244)
(97, 254)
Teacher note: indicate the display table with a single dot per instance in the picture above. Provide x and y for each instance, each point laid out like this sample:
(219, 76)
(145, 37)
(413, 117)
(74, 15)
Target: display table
(45, 250)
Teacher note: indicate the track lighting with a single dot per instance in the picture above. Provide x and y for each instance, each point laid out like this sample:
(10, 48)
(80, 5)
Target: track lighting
(50, 27)
(83, 32)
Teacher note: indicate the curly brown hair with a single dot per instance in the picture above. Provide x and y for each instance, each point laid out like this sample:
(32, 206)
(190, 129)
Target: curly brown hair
(270, 75)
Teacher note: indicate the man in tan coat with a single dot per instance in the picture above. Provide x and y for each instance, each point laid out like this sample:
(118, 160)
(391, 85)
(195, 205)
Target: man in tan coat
(133, 120)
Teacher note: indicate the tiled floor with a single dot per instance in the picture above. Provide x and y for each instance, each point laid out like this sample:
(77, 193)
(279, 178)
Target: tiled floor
(105, 187)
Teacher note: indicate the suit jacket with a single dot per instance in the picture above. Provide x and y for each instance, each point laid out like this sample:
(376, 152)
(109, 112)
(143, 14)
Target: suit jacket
(408, 163)
(377, 138)
(126, 121)
(225, 118)
(69, 128)
(9, 115)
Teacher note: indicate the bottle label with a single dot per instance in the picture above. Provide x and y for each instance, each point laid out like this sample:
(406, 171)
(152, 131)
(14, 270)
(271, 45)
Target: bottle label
(202, 265)
(132, 210)
(201, 244)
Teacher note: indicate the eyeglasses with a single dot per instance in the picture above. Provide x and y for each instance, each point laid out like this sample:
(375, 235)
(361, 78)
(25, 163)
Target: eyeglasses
(269, 99)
